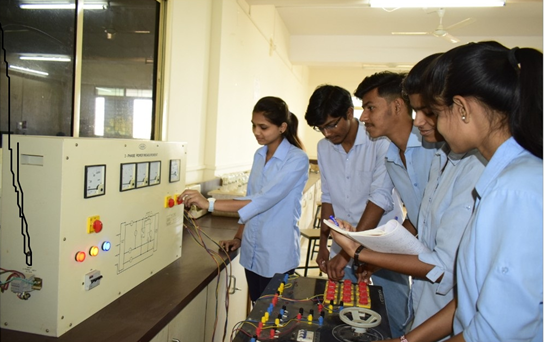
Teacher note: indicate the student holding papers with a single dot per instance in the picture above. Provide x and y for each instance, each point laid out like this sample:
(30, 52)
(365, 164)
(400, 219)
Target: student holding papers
(489, 97)
(446, 208)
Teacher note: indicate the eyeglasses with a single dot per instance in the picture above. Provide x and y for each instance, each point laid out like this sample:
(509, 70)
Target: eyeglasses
(328, 127)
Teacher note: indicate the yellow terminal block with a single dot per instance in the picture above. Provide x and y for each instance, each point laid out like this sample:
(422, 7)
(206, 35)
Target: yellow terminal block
(90, 223)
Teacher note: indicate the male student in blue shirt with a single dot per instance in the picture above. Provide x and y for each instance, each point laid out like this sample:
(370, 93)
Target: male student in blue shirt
(355, 188)
(386, 113)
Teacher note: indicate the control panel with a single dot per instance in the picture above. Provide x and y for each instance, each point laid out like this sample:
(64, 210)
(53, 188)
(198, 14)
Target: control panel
(301, 309)
(83, 221)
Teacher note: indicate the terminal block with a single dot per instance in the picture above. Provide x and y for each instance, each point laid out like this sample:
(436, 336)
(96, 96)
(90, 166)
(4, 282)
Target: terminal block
(27, 284)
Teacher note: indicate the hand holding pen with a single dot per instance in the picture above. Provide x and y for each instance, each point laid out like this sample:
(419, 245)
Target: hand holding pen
(342, 224)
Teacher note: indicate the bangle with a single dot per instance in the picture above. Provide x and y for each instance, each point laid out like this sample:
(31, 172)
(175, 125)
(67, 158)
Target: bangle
(403, 339)
(211, 204)
(356, 262)
(237, 238)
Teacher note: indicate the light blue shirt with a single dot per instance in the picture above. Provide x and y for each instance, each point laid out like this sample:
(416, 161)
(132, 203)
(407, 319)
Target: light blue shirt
(499, 265)
(410, 181)
(446, 208)
(271, 239)
(350, 179)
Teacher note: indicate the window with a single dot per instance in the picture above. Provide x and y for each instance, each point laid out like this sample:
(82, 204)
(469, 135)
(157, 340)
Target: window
(112, 90)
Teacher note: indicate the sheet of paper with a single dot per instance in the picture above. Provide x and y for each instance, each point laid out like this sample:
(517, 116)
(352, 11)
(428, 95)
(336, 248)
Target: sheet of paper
(391, 237)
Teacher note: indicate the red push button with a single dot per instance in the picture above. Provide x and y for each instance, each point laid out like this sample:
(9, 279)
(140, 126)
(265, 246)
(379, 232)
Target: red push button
(171, 203)
(97, 226)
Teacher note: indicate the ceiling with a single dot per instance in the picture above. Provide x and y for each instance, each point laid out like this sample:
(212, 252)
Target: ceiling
(342, 33)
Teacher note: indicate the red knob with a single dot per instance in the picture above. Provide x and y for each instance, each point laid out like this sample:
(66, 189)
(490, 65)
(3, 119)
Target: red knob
(97, 226)
(179, 199)
(171, 202)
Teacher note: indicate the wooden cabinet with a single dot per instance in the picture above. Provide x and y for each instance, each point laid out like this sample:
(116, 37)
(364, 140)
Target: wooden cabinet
(196, 322)
(189, 325)
(238, 302)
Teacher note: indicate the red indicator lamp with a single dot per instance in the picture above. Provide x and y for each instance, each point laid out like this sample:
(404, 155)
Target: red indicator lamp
(80, 256)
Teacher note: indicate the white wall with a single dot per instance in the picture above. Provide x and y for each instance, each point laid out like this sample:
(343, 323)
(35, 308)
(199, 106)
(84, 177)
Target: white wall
(219, 62)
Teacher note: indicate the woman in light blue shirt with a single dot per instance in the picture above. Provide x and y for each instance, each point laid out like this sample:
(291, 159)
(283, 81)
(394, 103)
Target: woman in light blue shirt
(489, 97)
(269, 237)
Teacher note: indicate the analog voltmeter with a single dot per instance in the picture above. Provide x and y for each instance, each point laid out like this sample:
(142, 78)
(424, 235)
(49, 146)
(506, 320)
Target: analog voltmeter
(154, 173)
(142, 174)
(128, 176)
(95, 180)
(174, 170)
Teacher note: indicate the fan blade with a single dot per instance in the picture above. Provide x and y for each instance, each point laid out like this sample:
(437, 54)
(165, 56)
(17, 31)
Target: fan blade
(416, 33)
(450, 38)
(461, 23)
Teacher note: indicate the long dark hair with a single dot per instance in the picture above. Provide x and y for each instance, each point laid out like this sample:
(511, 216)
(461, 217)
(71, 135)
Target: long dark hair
(413, 83)
(277, 112)
(507, 81)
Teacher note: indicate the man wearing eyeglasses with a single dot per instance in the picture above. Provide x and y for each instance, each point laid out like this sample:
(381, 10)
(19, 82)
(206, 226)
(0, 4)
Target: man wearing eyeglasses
(356, 188)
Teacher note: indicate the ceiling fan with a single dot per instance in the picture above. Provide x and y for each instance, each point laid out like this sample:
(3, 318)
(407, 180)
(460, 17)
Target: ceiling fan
(441, 31)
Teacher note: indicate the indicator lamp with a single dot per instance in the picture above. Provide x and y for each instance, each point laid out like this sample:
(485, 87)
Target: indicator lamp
(80, 256)
(93, 251)
(106, 246)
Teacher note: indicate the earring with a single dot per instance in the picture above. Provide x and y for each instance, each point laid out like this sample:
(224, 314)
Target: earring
(463, 118)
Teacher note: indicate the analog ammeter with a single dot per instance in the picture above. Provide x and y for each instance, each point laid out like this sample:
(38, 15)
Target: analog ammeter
(95, 180)
(128, 176)
(142, 174)
(154, 173)
(174, 170)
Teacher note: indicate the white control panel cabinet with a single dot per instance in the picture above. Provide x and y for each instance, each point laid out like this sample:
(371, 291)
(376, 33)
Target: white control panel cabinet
(91, 218)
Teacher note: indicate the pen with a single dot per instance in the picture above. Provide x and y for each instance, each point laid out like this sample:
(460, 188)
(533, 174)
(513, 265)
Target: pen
(334, 220)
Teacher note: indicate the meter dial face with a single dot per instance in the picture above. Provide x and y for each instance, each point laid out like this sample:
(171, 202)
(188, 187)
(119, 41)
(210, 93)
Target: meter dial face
(155, 173)
(174, 170)
(142, 175)
(95, 180)
(128, 177)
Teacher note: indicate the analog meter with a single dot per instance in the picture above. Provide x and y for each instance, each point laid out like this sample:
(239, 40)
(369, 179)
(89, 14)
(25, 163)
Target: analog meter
(142, 174)
(174, 170)
(128, 176)
(95, 180)
(155, 173)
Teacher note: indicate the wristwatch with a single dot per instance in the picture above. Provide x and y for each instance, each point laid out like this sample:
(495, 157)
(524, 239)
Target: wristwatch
(211, 204)
(356, 262)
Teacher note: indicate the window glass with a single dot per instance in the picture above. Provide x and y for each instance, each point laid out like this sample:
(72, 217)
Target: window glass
(39, 49)
(119, 55)
(114, 85)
